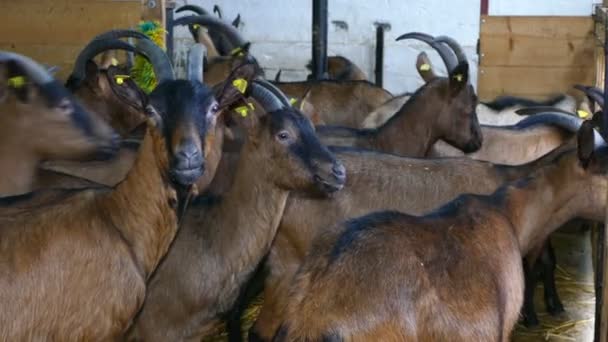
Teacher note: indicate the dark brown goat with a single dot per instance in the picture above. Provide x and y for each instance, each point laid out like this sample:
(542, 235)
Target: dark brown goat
(220, 244)
(454, 274)
(342, 69)
(40, 120)
(85, 260)
(375, 182)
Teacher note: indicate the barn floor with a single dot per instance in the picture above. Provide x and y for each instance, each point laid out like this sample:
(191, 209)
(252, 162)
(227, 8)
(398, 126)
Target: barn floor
(575, 286)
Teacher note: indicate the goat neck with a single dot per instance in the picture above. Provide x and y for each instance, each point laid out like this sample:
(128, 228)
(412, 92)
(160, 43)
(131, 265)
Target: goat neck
(146, 189)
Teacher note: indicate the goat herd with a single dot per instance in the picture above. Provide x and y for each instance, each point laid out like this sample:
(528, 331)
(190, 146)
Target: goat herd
(365, 216)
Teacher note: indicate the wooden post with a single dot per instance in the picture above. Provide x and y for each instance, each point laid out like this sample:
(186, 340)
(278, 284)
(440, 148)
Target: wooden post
(602, 310)
(154, 10)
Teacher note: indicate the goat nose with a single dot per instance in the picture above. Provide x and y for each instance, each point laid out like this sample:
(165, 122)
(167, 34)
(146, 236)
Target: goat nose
(189, 156)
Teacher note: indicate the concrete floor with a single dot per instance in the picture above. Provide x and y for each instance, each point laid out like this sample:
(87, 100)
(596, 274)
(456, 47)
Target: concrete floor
(575, 287)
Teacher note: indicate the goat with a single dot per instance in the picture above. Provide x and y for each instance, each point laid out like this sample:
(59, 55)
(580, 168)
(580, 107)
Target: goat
(84, 291)
(41, 120)
(375, 182)
(109, 91)
(453, 274)
(444, 109)
(201, 276)
(340, 68)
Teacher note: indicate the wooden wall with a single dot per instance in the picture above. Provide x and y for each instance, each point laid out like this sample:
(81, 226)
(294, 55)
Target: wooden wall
(54, 31)
(535, 56)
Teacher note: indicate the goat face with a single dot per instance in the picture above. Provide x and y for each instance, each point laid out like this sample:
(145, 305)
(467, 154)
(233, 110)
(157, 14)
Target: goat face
(57, 126)
(300, 161)
(188, 110)
(460, 125)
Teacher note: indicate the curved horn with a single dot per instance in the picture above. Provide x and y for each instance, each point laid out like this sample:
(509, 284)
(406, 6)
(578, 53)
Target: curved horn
(205, 20)
(32, 70)
(593, 93)
(195, 62)
(570, 123)
(265, 97)
(277, 77)
(540, 110)
(442, 50)
(461, 57)
(237, 21)
(117, 34)
(94, 48)
(194, 8)
(275, 91)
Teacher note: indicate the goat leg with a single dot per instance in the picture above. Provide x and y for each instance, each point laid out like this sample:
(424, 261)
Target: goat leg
(547, 264)
(528, 311)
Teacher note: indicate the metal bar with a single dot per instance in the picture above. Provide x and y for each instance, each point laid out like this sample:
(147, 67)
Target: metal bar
(319, 39)
(169, 29)
(379, 69)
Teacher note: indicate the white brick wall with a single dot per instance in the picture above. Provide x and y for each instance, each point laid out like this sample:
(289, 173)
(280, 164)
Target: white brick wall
(280, 31)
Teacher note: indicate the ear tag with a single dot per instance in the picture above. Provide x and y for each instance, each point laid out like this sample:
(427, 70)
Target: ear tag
(237, 52)
(196, 26)
(426, 67)
(120, 79)
(240, 84)
(292, 101)
(16, 82)
(583, 114)
(458, 77)
(114, 61)
(244, 110)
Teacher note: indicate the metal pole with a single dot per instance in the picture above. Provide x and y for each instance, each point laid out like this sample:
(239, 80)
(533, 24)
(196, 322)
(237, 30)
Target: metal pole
(169, 28)
(379, 69)
(601, 313)
(319, 39)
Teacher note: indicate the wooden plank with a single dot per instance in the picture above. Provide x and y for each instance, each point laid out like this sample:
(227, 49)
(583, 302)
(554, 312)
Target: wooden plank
(531, 81)
(63, 23)
(519, 50)
(535, 26)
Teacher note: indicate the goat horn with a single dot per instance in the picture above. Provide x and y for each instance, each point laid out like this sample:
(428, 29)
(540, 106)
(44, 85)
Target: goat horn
(195, 62)
(276, 92)
(442, 50)
(158, 58)
(205, 20)
(94, 48)
(540, 110)
(32, 70)
(117, 34)
(265, 97)
(461, 57)
(237, 21)
(194, 8)
(570, 123)
(593, 93)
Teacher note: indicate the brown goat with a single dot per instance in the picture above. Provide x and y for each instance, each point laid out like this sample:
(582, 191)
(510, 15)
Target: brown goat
(40, 120)
(85, 260)
(342, 69)
(218, 247)
(375, 182)
(454, 274)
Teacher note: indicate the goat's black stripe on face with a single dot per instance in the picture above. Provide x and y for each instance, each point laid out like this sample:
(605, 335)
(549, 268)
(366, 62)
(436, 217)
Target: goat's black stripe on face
(55, 93)
(307, 148)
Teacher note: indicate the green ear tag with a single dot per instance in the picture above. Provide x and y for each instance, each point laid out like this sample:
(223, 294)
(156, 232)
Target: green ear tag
(120, 79)
(292, 101)
(458, 77)
(240, 84)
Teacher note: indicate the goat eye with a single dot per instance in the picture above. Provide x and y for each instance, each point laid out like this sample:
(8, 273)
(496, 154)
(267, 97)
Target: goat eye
(215, 108)
(283, 136)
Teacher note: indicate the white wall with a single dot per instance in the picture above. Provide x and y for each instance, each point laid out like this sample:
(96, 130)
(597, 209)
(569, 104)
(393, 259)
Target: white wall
(541, 7)
(280, 33)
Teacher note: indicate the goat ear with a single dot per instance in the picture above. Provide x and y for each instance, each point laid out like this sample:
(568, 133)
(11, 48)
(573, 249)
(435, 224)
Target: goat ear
(459, 77)
(585, 143)
(309, 110)
(425, 68)
(108, 59)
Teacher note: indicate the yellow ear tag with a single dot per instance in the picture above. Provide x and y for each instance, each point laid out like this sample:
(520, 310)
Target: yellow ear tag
(114, 61)
(292, 101)
(196, 26)
(120, 79)
(16, 82)
(240, 84)
(458, 77)
(244, 110)
(425, 67)
(237, 52)
(583, 114)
